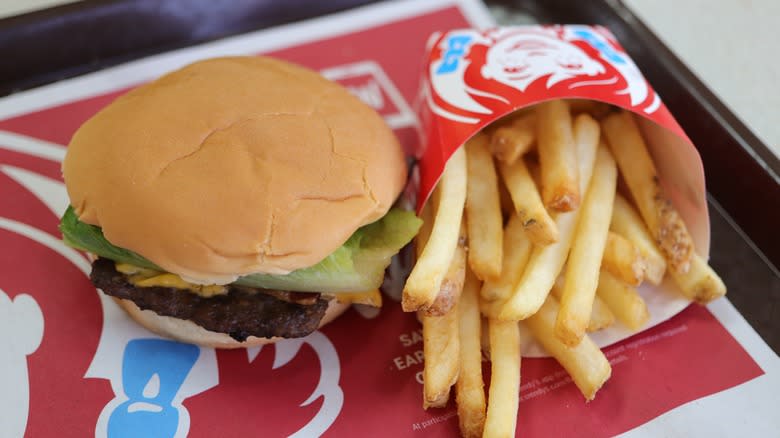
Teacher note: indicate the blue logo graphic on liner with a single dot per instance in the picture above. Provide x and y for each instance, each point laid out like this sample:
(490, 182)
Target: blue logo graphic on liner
(153, 371)
(599, 44)
(456, 49)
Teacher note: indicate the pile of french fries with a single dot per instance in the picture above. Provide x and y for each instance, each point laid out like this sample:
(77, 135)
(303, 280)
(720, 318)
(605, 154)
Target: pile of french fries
(526, 226)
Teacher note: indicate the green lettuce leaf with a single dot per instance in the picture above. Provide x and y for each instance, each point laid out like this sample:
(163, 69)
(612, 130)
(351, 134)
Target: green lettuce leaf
(90, 238)
(356, 266)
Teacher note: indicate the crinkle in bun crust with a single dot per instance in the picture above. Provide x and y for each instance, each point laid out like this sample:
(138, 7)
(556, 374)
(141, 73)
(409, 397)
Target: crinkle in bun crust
(232, 166)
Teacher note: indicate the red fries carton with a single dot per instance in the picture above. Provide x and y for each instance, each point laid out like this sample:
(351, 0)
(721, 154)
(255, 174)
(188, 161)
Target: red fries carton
(472, 78)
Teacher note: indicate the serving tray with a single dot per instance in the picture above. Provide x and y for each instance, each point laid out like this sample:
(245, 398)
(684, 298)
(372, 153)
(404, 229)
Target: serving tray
(75, 39)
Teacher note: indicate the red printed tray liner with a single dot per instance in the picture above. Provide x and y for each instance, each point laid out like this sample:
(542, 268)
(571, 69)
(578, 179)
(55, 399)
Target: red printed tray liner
(72, 364)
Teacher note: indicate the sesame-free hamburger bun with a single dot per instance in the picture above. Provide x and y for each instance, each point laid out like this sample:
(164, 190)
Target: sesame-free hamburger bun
(226, 169)
(232, 166)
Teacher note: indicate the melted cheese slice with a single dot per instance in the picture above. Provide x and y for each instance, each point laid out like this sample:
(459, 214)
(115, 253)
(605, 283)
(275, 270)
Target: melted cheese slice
(370, 298)
(143, 277)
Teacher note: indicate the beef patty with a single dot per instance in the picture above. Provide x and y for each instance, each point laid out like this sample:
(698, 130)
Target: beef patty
(240, 313)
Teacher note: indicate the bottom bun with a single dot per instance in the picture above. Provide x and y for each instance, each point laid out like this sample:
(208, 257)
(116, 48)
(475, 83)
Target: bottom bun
(191, 333)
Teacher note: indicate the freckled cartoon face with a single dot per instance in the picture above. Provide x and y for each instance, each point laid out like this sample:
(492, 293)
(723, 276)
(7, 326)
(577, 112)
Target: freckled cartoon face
(518, 60)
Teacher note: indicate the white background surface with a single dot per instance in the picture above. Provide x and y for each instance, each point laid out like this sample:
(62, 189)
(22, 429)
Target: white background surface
(732, 45)
(15, 7)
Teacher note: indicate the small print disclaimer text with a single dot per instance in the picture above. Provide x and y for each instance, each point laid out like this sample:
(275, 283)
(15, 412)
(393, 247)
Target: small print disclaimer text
(422, 425)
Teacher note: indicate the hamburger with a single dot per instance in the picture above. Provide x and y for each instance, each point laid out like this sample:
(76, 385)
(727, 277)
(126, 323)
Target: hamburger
(237, 201)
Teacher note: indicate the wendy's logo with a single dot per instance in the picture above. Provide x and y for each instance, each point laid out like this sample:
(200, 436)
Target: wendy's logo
(521, 58)
(474, 76)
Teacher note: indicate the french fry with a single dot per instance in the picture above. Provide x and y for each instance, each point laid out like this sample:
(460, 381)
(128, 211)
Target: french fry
(425, 229)
(594, 108)
(586, 134)
(537, 223)
(585, 363)
(452, 284)
(600, 318)
(558, 156)
(546, 262)
(453, 279)
(517, 250)
(438, 345)
(582, 268)
(627, 223)
(507, 207)
(491, 309)
(639, 172)
(441, 352)
(504, 394)
(623, 260)
(509, 118)
(483, 210)
(700, 283)
(470, 388)
(510, 142)
(624, 301)
(424, 282)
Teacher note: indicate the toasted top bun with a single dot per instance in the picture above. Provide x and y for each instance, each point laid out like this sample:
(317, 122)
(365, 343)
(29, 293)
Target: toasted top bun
(232, 166)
